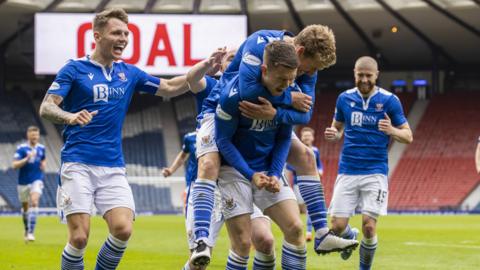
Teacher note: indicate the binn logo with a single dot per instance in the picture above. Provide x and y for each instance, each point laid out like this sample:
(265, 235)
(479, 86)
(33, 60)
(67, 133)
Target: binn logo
(357, 119)
(100, 93)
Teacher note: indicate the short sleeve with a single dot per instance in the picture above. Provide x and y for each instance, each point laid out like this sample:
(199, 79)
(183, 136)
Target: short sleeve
(146, 83)
(63, 81)
(339, 116)
(19, 154)
(395, 112)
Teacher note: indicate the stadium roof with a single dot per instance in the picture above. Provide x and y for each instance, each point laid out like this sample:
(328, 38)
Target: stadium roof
(401, 32)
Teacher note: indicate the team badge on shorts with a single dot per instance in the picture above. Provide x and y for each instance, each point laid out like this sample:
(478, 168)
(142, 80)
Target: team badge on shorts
(229, 204)
(206, 140)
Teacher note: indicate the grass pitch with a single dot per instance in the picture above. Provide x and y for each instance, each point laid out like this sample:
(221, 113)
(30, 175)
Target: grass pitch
(159, 242)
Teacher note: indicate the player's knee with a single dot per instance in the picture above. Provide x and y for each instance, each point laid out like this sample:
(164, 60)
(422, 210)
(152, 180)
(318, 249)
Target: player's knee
(242, 243)
(295, 230)
(79, 240)
(369, 230)
(208, 168)
(122, 231)
(264, 243)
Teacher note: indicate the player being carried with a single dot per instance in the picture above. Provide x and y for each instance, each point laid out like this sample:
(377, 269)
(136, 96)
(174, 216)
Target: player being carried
(315, 47)
(96, 91)
(369, 116)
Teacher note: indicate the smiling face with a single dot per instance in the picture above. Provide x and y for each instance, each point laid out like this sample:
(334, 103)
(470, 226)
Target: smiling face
(366, 74)
(112, 39)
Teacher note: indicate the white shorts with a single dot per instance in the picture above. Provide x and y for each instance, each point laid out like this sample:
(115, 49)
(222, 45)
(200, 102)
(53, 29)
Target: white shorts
(296, 191)
(216, 221)
(206, 136)
(368, 192)
(85, 186)
(25, 190)
(239, 195)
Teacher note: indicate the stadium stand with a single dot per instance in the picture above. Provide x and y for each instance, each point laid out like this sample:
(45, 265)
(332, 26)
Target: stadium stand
(186, 111)
(437, 171)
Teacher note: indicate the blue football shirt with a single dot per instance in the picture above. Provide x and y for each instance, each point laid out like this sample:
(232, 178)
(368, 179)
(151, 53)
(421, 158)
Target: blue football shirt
(31, 171)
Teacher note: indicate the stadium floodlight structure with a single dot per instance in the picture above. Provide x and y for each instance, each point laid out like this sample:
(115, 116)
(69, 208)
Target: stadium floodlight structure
(173, 6)
(35, 5)
(77, 6)
(128, 5)
(220, 6)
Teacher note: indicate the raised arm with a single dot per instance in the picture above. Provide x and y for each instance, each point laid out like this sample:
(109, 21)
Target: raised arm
(172, 87)
(210, 66)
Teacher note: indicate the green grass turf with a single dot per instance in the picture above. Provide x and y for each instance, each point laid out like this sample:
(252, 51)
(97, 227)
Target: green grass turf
(159, 242)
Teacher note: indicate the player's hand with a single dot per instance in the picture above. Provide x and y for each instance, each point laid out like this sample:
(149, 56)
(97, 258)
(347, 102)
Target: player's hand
(81, 118)
(301, 101)
(262, 111)
(385, 125)
(166, 172)
(215, 61)
(32, 154)
(273, 184)
(260, 180)
(331, 134)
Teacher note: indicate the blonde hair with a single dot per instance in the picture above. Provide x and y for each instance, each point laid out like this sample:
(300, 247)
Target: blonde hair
(101, 19)
(318, 40)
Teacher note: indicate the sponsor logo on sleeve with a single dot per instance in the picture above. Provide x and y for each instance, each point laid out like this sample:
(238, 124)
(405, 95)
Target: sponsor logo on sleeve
(222, 114)
(251, 59)
(54, 86)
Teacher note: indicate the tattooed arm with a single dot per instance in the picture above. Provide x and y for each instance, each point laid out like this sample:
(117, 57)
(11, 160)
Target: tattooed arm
(50, 110)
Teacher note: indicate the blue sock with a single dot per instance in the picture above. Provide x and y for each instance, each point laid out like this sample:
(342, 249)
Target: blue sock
(32, 219)
(309, 223)
(25, 220)
(203, 200)
(72, 258)
(311, 190)
(236, 262)
(347, 233)
(263, 261)
(111, 253)
(367, 251)
(293, 257)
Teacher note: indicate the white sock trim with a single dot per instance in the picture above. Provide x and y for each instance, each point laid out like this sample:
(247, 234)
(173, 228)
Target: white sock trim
(263, 256)
(74, 251)
(371, 241)
(117, 242)
(297, 248)
(308, 177)
(205, 181)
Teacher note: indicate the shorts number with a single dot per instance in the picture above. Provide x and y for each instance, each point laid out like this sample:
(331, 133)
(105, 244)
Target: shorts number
(381, 195)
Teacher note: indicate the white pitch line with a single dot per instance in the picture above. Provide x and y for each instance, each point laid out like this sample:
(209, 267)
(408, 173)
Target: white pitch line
(440, 245)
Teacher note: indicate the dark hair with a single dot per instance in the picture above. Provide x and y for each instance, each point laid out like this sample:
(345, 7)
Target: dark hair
(33, 128)
(101, 19)
(281, 53)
